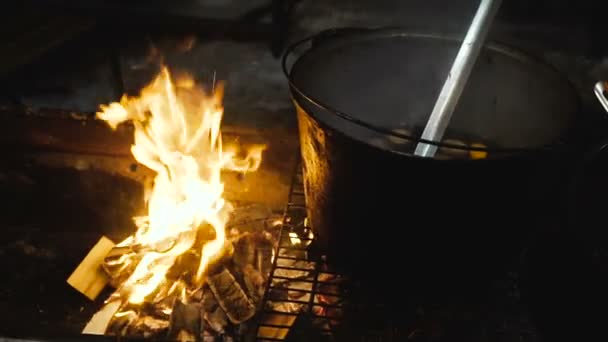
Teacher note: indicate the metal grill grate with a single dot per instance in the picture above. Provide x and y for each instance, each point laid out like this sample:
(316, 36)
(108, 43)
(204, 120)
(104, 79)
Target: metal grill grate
(301, 289)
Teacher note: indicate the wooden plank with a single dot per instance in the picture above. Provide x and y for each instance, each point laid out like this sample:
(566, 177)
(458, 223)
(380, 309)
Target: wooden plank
(89, 278)
(100, 321)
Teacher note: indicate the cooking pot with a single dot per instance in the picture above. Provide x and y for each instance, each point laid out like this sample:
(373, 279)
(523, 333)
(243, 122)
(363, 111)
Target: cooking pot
(363, 98)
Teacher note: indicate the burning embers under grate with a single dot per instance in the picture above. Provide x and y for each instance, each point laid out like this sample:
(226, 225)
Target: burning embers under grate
(301, 288)
(306, 301)
(223, 307)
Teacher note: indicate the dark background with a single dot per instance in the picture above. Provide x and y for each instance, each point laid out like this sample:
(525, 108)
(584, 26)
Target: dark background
(78, 54)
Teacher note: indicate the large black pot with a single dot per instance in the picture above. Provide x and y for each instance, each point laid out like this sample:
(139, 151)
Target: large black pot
(362, 98)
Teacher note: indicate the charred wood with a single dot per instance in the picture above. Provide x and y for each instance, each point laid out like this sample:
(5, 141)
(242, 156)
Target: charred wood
(213, 314)
(231, 297)
(185, 324)
(254, 282)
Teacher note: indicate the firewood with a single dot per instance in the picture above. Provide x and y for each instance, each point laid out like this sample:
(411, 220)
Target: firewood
(185, 321)
(117, 268)
(89, 277)
(100, 321)
(244, 250)
(214, 316)
(148, 327)
(231, 297)
(254, 282)
(264, 255)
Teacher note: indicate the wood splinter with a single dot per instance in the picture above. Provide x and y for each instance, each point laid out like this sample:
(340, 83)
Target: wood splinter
(89, 278)
(101, 320)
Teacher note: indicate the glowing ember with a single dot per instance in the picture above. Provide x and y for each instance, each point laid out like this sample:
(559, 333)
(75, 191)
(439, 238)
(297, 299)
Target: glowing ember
(177, 135)
(295, 240)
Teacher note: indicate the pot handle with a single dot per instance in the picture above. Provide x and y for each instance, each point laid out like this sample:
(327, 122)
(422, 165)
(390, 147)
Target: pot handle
(600, 91)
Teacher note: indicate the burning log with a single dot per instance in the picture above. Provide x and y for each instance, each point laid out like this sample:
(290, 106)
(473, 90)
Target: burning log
(254, 249)
(119, 263)
(147, 327)
(265, 256)
(254, 282)
(231, 297)
(185, 322)
(213, 313)
(244, 251)
(122, 322)
(89, 278)
(253, 260)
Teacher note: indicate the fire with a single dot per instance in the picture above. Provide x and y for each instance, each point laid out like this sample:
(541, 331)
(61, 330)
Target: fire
(177, 135)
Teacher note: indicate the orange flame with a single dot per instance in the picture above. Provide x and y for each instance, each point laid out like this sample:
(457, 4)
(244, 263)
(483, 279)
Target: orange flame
(177, 135)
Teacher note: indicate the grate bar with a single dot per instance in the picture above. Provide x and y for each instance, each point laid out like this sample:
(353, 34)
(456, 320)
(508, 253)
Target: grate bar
(318, 293)
(278, 313)
(321, 282)
(295, 301)
(293, 248)
(292, 258)
(289, 268)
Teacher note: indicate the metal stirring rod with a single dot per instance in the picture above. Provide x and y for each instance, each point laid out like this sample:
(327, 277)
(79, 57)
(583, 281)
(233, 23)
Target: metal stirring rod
(458, 77)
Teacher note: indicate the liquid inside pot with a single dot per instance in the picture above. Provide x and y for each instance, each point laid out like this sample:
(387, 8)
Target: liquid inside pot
(392, 80)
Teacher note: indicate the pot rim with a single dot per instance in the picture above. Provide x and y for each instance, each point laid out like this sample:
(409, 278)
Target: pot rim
(392, 32)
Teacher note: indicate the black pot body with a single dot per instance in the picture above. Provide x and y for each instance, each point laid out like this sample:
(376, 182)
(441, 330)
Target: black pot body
(441, 225)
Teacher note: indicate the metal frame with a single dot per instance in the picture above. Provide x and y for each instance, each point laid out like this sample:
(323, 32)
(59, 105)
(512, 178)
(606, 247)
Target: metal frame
(295, 213)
